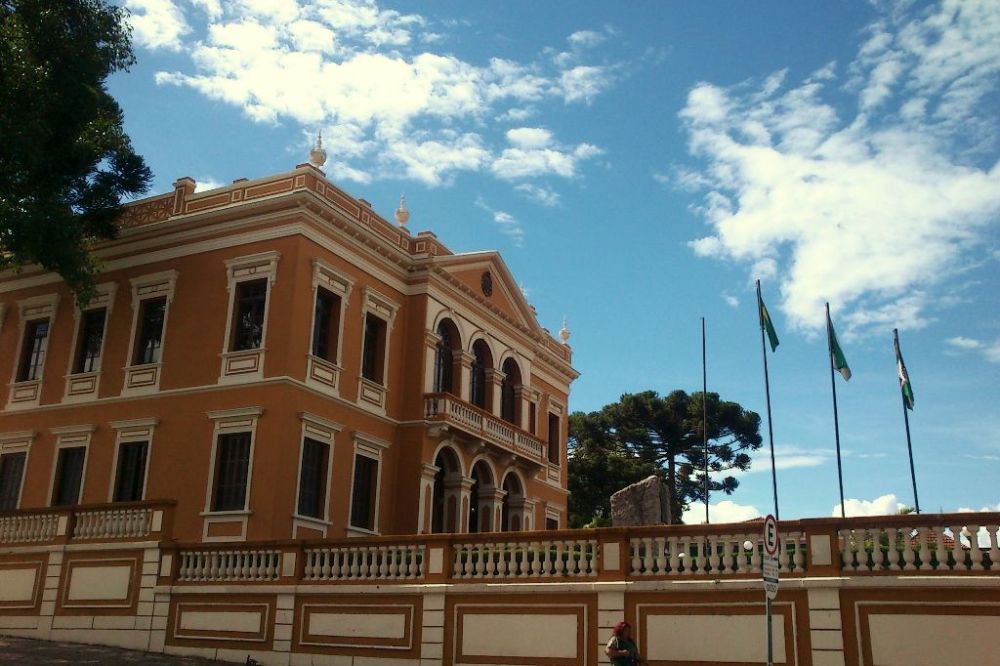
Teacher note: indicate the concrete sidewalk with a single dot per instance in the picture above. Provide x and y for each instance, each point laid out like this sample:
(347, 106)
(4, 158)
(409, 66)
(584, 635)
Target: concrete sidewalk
(30, 652)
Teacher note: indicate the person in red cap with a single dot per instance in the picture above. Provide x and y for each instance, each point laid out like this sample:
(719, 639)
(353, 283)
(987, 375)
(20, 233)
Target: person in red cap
(621, 648)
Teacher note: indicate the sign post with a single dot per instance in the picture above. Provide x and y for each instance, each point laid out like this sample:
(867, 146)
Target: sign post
(770, 576)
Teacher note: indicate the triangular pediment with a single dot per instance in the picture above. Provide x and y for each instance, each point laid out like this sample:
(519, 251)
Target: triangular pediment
(486, 276)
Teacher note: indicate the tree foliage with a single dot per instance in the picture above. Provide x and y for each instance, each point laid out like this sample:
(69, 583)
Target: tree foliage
(65, 160)
(643, 434)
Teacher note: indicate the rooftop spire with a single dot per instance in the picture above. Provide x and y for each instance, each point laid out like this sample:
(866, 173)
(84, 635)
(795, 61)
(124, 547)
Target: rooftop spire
(564, 332)
(317, 156)
(402, 214)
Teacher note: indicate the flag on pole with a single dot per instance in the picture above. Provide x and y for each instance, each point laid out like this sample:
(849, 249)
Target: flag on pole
(904, 377)
(839, 361)
(765, 319)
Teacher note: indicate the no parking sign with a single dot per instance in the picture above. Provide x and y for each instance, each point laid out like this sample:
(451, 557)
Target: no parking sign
(770, 565)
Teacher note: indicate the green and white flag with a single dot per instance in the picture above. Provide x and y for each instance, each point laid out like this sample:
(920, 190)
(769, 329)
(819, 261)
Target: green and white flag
(904, 377)
(765, 320)
(839, 361)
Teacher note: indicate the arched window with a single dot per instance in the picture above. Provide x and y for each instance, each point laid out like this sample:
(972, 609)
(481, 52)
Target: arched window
(481, 360)
(509, 409)
(444, 357)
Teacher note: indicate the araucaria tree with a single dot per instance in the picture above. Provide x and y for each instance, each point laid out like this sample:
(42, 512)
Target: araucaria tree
(644, 433)
(65, 161)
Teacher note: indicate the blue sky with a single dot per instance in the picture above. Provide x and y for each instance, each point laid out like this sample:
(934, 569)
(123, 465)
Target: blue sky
(638, 165)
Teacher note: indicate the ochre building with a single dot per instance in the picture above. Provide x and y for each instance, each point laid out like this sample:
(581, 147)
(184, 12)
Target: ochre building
(284, 363)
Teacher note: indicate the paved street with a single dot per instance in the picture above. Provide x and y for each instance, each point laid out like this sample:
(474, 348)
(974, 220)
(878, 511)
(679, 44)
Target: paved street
(31, 653)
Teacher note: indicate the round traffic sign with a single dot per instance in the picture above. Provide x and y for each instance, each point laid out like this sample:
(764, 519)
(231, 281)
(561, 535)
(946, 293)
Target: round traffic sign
(770, 536)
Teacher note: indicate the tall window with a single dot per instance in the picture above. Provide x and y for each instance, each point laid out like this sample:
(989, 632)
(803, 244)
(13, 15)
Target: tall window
(481, 360)
(554, 439)
(532, 418)
(444, 360)
(69, 475)
(11, 473)
(364, 491)
(312, 478)
(150, 332)
(248, 315)
(508, 392)
(36, 341)
(232, 465)
(373, 353)
(130, 476)
(326, 325)
(89, 341)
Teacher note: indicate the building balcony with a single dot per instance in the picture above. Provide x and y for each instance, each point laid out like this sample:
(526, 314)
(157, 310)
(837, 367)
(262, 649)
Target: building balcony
(444, 408)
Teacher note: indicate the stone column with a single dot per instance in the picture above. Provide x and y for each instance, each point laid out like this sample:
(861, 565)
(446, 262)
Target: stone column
(431, 340)
(459, 488)
(425, 511)
(490, 501)
(522, 396)
(463, 361)
(494, 390)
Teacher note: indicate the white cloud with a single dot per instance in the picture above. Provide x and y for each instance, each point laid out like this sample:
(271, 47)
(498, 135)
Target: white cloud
(206, 184)
(508, 224)
(731, 300)
(415, 113)
(539, 194)
(584, 82)
(989, 350)
(872, 211)
(157, 24)
(518, 162)
(725, 511)
(529, 137)
(885, 505)
(586, 38)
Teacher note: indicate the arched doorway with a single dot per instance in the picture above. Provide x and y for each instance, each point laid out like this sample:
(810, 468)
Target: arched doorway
(510, 410)
(481, 498)
(482, 360)
(513, 501)
(445, 507)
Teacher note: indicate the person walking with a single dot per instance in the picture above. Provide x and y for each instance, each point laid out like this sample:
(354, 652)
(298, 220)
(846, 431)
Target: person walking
(621, 648)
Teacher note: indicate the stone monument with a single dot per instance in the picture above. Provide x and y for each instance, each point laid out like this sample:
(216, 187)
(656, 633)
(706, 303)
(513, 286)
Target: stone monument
(642, 503)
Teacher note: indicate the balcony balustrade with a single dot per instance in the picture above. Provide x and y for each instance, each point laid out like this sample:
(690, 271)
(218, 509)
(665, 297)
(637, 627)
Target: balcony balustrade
(464, 416)
(148, 520)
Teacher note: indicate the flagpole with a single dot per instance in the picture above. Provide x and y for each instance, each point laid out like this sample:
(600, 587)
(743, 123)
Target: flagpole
(767, 394)
(704, 411)
(836, 420)
(906, 421)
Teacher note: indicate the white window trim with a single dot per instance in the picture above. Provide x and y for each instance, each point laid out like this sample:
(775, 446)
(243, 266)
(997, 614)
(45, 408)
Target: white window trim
(322, 430)
(32, 309)
(554, 513)
(370, 447)
(327, 277)
(246, 269)
(145, 287)
(133, 430)
(232, 421)
(18, 442)
(104, 297)
(385, 309)
(68, 437)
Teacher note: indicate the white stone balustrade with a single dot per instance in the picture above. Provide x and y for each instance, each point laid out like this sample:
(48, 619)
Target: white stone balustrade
(448, 408)
(712, 555)
(378, 562)
(900, 548)
(541, 558)
(236, 565)
(28, 527)
(113, 523)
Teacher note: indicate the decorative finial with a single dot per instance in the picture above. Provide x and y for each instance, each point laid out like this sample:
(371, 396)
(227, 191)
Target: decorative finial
(564, 332)
(402, 214)
(317, 156)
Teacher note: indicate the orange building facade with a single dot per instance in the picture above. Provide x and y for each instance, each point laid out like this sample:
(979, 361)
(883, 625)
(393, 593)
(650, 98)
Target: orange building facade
(282, 363)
